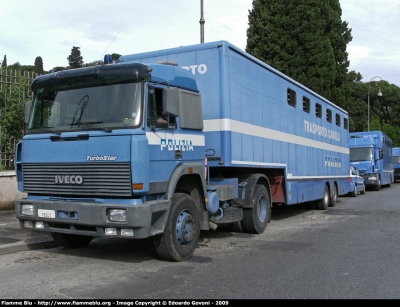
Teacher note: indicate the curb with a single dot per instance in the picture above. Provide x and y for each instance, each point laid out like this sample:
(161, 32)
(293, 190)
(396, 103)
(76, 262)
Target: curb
(22, 246)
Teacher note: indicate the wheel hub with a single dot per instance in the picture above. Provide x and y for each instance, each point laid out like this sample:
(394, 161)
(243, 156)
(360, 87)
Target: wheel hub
(262, 209)
(185, 227)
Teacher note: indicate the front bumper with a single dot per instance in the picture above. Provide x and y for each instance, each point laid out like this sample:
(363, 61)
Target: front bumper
(371, 180)
(91, 219)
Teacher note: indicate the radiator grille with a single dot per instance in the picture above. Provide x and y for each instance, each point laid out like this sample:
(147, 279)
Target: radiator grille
(98, 179)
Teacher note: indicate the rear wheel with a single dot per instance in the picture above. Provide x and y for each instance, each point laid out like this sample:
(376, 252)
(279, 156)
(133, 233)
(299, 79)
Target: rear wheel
(322, 204)
(354, 192)
(255, 219)
(333, 199)
(236, 226)
(71, 241)
(181, 233)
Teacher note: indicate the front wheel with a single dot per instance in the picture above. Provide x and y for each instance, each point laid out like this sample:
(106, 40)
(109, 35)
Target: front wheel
(378, 186)
(363, 190)
(255, 219)
(181, 233)
(71, 241)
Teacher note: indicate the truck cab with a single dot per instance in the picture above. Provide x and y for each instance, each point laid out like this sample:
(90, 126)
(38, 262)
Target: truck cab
(106, 149)
(370, 154)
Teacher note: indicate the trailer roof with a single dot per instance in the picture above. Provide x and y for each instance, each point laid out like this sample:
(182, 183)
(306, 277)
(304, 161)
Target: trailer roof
(224, 44)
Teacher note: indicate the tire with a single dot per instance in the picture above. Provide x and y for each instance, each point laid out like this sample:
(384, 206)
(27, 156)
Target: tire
(322, 204)
(363, 190)
(236, 227)
(71, 241)
(333, 199)
(255, 219)
(181, 233)
(378, 186)
(354, 192)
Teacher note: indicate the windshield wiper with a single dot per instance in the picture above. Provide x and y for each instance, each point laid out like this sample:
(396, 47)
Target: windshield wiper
(91, 125)
(81, 106)
(45, 128)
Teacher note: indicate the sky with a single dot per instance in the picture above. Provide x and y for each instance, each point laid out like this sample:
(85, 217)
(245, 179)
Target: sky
(50, 29)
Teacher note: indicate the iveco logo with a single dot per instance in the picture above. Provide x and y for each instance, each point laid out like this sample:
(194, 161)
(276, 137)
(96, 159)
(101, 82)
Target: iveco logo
(68, 179)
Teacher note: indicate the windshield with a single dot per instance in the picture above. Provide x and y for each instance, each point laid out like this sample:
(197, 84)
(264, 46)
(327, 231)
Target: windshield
(360, 154)
(108, 106)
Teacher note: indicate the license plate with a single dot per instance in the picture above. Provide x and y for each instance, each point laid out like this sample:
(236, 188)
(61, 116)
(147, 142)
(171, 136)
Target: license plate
(49, 214)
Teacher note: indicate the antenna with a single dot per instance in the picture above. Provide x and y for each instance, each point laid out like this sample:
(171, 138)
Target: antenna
(108, 46)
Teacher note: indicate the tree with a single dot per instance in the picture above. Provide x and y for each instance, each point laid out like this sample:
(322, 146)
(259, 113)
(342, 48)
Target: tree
(39, 65)
(115, 56)
(385, 108)
(16, 65)
(339, 35)
(75, 59)
(12, 113)
(304, 39)
(58, 68)
(4, 63)
(356, 105)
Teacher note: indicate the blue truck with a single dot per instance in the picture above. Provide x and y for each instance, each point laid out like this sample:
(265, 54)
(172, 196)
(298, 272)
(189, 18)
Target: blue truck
(371, 155)
(396, 162)
(167, 143)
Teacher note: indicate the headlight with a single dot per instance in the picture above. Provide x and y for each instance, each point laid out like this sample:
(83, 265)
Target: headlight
(39, 225)
(372, 178)
(27, 209)
(127, 232)
(110, 231)
(117, 215)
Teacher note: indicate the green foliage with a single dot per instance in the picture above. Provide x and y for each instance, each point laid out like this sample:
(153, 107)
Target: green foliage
(12, 125)
(386, 107)
(356, 105)
(58, 68)
(304, 39)
(384, 110)
(392, 131)
(115, 56)
(75, 59)
(12, 111)
(16, 65)
(95, 63)
(39, 65)
(4, 63)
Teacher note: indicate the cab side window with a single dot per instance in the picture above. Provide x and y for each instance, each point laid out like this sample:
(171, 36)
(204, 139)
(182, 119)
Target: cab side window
(155, 115)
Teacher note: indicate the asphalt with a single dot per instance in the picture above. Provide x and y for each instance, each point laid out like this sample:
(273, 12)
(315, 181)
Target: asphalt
(13, 238)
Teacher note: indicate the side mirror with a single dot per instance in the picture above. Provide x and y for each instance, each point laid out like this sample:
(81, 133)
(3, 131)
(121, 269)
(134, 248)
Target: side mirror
(380, 153)
(171, 97)
(28, 107)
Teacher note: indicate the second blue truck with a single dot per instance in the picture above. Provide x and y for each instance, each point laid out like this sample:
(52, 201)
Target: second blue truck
(371, 155)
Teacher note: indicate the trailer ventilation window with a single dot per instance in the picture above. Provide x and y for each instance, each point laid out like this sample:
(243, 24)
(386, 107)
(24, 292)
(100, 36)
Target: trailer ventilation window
(306, 104)
(318, 110)
(291, 97)
(329, 115)
(345, 123)
(190, 110)
(338, 120)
